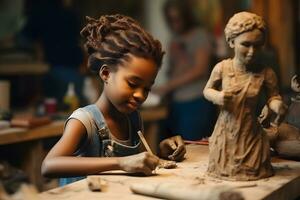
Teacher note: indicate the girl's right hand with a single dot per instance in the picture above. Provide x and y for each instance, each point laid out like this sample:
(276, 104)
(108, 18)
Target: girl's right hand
(143, 162)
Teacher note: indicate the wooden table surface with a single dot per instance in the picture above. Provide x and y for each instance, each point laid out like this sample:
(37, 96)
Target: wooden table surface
(284, 185)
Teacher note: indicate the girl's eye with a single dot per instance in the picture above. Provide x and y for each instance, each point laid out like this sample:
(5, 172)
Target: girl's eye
(132, 85)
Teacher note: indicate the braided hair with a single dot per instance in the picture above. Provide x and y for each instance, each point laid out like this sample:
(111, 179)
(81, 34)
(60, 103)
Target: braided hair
(242, 22)
(112, 38)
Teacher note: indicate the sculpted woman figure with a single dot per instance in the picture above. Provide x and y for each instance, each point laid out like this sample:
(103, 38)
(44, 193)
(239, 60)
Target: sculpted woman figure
(239, 147)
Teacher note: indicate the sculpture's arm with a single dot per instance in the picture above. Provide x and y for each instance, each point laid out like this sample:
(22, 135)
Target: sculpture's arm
(275, 101)
(211, 91)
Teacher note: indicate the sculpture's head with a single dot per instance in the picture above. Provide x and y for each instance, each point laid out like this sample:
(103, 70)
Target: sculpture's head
(243, 22)
(245, 33)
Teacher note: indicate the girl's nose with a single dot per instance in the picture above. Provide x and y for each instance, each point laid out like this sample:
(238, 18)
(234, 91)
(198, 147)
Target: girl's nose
(140, 95)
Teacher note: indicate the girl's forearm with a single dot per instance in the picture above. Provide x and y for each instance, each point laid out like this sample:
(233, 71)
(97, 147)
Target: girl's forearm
(65, 166)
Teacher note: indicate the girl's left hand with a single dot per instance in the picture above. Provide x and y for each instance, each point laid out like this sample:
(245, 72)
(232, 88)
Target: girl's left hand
(173, 148)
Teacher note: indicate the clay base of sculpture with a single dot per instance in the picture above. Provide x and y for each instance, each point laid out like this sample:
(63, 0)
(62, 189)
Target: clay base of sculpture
(240, 174)
(240, 177)
(246, 175)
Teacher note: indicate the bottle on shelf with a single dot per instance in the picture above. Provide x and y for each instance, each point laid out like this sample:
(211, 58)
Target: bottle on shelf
(71, 99)
(89, 91)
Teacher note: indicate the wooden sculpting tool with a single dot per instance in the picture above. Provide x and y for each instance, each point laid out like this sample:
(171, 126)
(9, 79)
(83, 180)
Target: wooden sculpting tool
(145, 142)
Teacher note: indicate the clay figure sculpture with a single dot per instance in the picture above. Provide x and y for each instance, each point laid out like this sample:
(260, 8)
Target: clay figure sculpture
(239, 148)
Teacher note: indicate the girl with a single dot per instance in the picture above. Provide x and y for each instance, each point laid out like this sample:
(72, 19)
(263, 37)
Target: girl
(239, 148)
(103, 136)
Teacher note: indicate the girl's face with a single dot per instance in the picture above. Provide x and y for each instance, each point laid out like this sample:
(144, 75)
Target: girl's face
(247, 46)
(127, 87)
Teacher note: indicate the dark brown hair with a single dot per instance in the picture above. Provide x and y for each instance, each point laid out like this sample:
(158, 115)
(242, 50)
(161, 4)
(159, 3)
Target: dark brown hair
(111, 39)
(185, 12)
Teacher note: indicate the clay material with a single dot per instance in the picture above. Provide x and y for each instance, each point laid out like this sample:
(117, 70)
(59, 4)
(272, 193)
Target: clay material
(95, 183)
(177, 191)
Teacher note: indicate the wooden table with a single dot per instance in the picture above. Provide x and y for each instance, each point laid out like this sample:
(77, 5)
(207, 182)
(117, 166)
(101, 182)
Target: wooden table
(34, 154)
(15, 135)
(31, 147)
(284, 185)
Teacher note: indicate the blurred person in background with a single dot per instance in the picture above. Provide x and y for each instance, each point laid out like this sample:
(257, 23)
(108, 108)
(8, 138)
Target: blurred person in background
(190, 53)
(53, 28)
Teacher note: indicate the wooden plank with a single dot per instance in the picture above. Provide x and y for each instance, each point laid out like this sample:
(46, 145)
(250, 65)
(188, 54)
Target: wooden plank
(15, 135)
(284, 185)
(30, 68)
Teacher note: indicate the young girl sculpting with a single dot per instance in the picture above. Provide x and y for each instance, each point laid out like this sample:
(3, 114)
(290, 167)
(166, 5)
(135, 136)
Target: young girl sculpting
(239, 148)
(103, 136)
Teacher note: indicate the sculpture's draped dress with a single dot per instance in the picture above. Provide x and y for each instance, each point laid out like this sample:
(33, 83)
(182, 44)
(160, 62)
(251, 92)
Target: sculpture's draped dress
(239, 148)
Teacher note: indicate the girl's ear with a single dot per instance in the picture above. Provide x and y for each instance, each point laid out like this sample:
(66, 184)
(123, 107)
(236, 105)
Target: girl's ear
(231, 43)
(104, 73)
